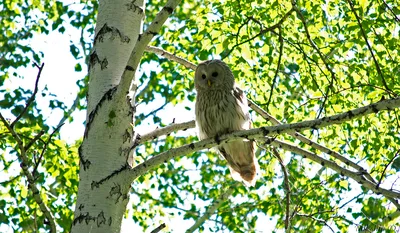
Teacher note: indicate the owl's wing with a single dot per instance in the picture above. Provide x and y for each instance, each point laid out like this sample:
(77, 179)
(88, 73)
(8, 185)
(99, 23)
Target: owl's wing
(239, 95)
(241, 99)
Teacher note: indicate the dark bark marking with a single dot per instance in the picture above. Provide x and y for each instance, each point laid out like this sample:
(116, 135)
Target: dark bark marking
(153, 33)
(85, 162)
(101, 219)
(130, 68)
(107, 96)
(350, 114)
(126, 136)
(374, 109)
(191, 146)
(169, 9)
(133, 7)
(115, 32)
(94, 58)
(114, 173)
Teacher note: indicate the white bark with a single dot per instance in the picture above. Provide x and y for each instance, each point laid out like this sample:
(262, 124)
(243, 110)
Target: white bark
(108, 132)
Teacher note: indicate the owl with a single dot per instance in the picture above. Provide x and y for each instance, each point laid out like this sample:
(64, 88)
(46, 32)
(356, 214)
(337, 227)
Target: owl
(222, 108)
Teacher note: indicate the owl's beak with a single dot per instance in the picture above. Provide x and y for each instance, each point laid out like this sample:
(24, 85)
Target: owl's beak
(209, 83)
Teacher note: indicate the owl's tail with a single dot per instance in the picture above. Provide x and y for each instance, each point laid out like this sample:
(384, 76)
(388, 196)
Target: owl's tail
(242, 161)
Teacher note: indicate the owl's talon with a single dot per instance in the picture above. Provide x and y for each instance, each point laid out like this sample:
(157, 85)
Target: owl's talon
(217, 140)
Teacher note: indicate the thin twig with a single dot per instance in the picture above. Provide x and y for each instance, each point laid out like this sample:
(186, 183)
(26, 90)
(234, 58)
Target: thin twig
(159, 228)
(44, 149)
(262, 31)
(332, 165)
(378, 68)
(277, 66)
(387, 165)
(287, 187)
(34, 140)
(32, 98)
(214, 206)
(391, 11)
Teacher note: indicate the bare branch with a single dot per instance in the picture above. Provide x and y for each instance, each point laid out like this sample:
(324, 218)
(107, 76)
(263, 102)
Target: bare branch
(214, 206)
(44, 149)
(34, 140)
(32, 98)
(263, 132)
(171, 56)
(69, 112)
(277, 66)
(141, 44)
(387, 165)
(167, 130)
(312, 143)
(159, 228)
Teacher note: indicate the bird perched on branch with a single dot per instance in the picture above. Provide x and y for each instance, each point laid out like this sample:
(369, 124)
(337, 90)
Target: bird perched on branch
(221, 108)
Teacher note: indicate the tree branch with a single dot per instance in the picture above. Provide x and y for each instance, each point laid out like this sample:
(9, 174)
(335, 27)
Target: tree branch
(262, 31)
(378, 68)
(312, 143)
(171, 56)
(32, 98)
(24, 161)
(159, 228)
(277, 67)
(332, 165)
(387, 165)
(214, 206)
(287, 187)
(141, 44)
(167, 130)
(267, 116)
(263, 132)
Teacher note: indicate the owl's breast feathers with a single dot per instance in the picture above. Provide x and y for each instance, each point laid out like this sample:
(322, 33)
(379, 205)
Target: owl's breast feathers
(219, 112)
(223, 111)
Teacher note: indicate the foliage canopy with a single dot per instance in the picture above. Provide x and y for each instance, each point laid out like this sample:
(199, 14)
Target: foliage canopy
(299, 60)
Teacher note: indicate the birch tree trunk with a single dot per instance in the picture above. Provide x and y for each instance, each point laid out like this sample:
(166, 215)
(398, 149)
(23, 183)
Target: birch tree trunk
(102, 197)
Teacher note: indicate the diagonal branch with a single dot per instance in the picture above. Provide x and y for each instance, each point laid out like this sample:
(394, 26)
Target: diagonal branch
(343, 171)
(312, 143)
(167, 130)
(264, 114)
(32, 98)
(170, 56)
(287, 189)
(214, 206)
(277, 66)
(24, 161)
(141, 44)
(378, 68)
(263, 132)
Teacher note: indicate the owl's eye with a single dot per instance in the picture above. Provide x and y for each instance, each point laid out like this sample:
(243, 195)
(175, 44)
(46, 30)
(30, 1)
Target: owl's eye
(203, 76)
(214, 74)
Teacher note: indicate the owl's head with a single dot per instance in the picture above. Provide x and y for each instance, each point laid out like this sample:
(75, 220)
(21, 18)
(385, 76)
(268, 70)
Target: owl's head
(213, 75)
